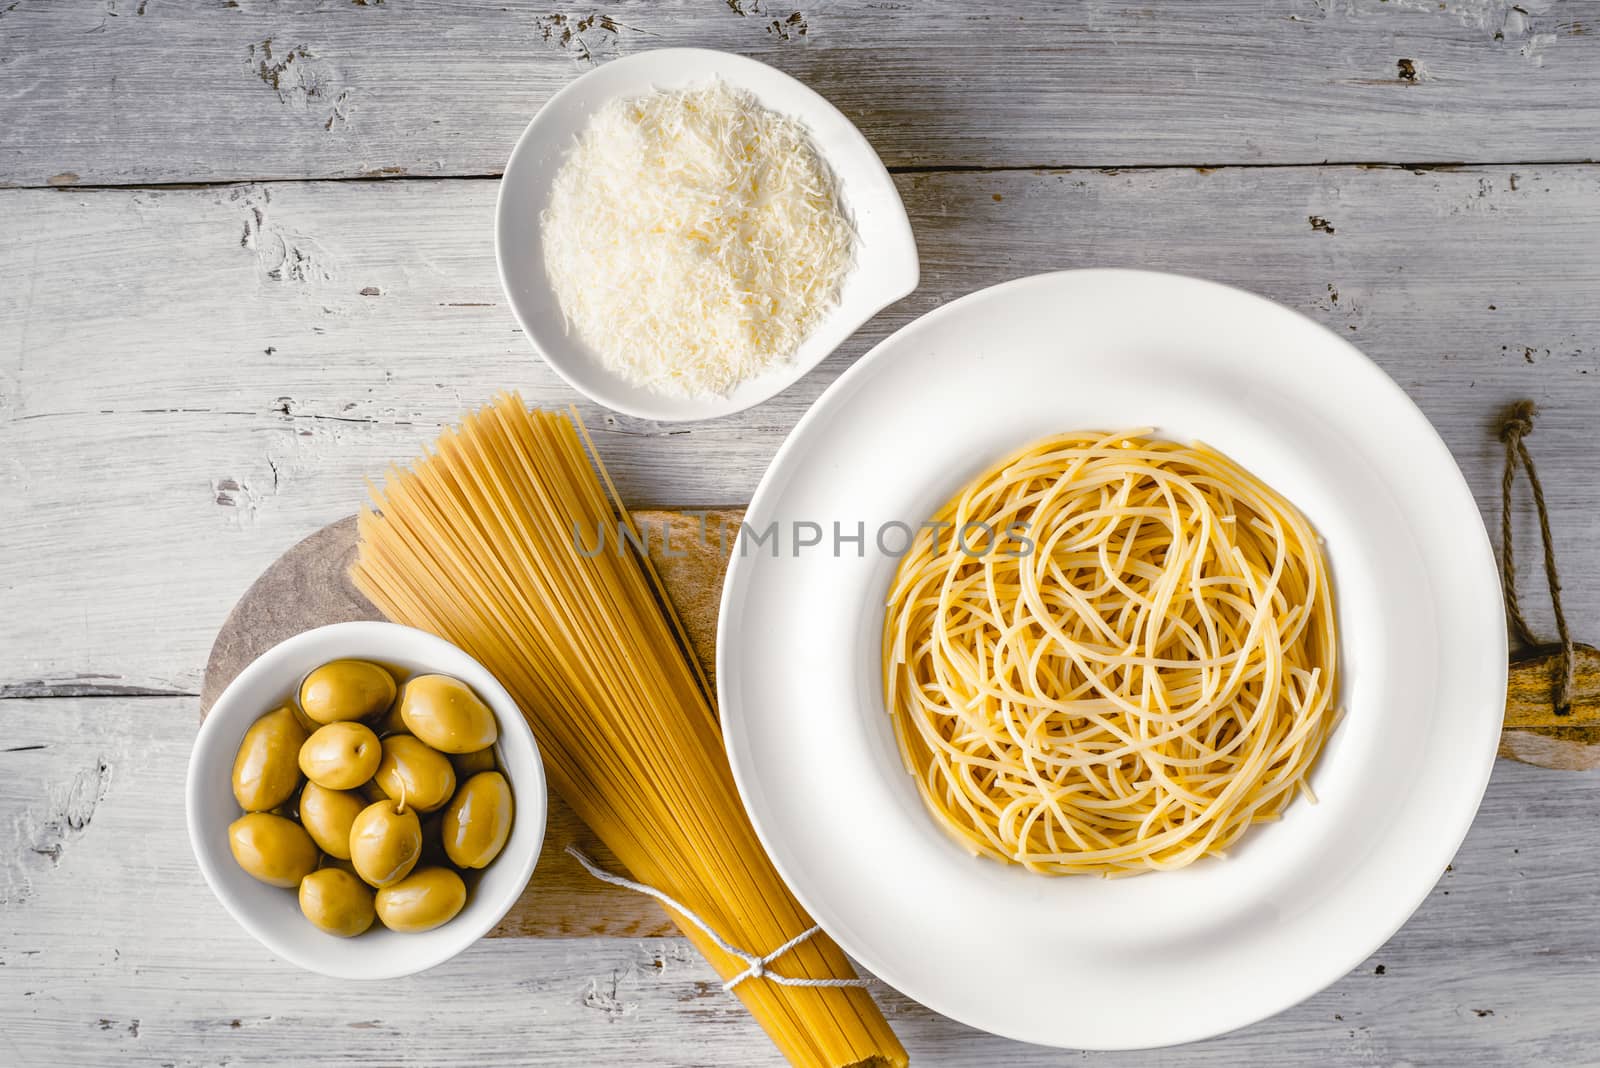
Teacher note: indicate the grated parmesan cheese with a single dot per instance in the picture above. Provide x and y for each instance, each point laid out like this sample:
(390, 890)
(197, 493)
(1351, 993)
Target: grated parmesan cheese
(694, 239)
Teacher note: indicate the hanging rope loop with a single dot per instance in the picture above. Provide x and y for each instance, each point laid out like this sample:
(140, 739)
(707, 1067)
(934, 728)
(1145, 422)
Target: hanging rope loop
(1515, 425)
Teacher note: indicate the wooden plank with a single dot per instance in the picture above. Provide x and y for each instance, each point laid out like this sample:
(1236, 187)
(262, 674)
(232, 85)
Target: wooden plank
(144, 91)
(114, 949)
(187, 388)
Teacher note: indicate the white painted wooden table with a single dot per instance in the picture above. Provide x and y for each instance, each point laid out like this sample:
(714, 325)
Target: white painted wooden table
(245, 261)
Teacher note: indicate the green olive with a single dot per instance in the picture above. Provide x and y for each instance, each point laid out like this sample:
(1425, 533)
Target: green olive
(346, 690)
(410, 770)
(385, 841)
(327, 815)
(478, 820)
(469, 764)
(422, 901)
(272, 849)
(446, 715)
(340, 756)
(337, 902)
(265, 772)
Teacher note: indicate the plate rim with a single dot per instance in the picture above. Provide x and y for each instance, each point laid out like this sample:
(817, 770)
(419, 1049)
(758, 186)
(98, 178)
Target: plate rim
(740, 571)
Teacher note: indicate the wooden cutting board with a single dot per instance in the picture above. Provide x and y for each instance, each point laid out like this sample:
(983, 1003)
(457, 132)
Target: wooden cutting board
(309, 586)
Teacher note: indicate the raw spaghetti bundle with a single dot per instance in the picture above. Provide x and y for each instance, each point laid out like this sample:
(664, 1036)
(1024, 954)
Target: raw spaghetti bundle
(1116, 655)
(478, 542)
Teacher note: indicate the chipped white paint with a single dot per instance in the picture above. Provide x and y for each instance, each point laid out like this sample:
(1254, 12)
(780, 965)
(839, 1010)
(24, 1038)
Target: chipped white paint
(193, 379)
(167, 433)
(205, 90)
(43, 830)
(120, 953)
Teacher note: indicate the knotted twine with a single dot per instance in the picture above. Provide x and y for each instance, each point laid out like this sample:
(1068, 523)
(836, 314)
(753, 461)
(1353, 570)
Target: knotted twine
(1516, 425)
(757, 967)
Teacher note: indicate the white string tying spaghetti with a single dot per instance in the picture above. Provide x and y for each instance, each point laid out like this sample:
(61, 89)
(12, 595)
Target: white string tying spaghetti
(757, 967)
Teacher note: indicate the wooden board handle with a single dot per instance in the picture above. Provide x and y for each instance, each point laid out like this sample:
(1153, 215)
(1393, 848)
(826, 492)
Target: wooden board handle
(1534, 733)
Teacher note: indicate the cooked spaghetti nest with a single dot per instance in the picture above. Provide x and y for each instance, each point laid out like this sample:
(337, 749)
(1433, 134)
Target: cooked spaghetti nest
(1114, 656)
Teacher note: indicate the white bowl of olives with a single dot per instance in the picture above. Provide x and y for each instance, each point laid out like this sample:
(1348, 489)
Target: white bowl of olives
(366, 800)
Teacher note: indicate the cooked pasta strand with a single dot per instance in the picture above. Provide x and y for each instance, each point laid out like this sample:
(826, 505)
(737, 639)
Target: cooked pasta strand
(1152, 676)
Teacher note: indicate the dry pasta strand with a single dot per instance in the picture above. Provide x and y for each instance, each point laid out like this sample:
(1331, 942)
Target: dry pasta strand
(476, 543)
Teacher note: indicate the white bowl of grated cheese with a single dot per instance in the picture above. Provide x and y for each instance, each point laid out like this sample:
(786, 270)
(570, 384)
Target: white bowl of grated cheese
(711, 277)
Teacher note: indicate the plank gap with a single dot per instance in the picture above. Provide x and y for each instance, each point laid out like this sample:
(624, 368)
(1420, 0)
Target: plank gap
(956, 168)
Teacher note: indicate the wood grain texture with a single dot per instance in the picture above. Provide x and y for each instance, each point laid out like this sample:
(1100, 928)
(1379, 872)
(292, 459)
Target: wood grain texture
(112, 949)
(143, 91)
(193, 380)
(1535, 731)
(308, 586)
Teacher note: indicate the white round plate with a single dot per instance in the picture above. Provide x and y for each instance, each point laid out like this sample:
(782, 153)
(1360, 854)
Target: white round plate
(885, 269)
(1160, 958)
